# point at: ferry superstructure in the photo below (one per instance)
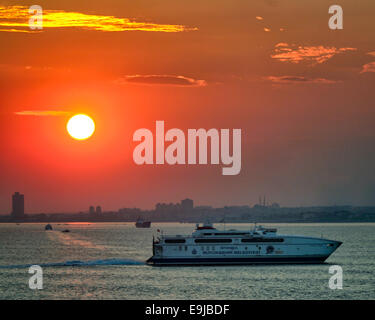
(209, 246)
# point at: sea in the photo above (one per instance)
(107, 261)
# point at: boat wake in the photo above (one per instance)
(78, 263)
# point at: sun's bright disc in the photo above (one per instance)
(80, 127)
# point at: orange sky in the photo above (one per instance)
(302, 94)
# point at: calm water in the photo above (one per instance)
(106, 261)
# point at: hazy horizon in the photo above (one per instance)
(86, 210)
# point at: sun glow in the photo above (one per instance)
(80, 127)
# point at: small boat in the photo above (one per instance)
(140, 223)
(48, 227)
(66, 230)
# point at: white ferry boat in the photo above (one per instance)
(209, 246)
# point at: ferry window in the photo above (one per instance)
(185, 248)
(174, 240)
(179, 248)
(263, 240)
(231, 234)
(212, 240)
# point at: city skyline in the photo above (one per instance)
(184, 211)
(182, 206)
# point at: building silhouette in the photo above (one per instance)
(187, 205)
(98, 210)
(92, 210)
(18, 205)
(164, 210)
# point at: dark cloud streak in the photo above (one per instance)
(171, 80)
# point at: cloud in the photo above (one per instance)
(297, 80)
(162, 80)
(15, 30)
(16, 19)
(296, 54)
(368, 67)
(281, 44)
(42, 113)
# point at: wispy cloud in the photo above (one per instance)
(297, 80)
(281, 44)
(172, 80)
(16, 19)
(368, 67)
(15, 30)
(42, 113)
(314, 54)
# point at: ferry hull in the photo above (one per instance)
(237, 261)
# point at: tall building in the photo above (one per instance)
(91, 210)
(98, 210)
(187, 205)
(18, 205)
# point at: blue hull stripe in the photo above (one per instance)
(228, 261)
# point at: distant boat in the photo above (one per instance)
(48, 227)
(66, 230)
(140, 223)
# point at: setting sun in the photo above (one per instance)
(80, 127)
